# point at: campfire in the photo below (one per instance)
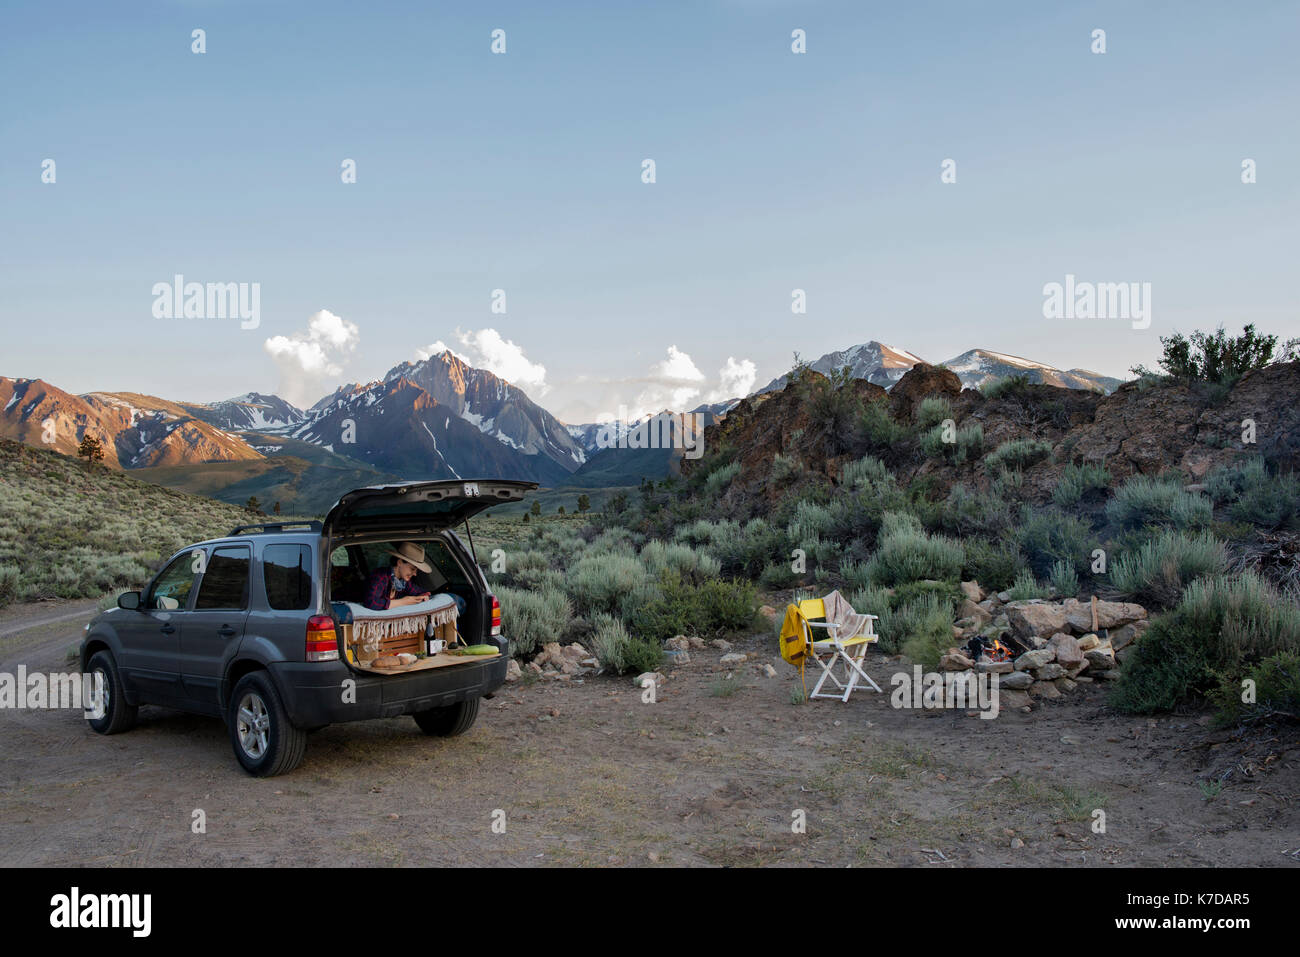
(994, 649)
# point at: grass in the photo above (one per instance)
(1018, 454)
(725, 687)
(1158, 501)
(80, 532)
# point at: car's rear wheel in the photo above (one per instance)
(449, 721)
(115, 714)
(265, 741)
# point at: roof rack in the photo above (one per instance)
(267, 527)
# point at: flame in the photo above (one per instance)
(999, 651)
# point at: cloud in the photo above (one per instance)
(736, 380)
(672, 384)
(488, 349)
(308, 359)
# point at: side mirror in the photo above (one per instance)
(130, 600)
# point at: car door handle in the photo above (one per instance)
(168, 629)
(225, 631)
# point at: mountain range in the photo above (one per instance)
(436, 418)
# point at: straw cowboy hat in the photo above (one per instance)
(413, 553)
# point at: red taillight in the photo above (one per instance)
(322, 642)
(496, 616)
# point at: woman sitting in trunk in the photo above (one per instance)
(395, 586)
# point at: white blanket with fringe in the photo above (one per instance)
(370, 626)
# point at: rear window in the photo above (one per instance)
(225, 580)
(287, 571)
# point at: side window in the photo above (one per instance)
(171, 589)
(225, 583)
(339, 558)
(287, 572)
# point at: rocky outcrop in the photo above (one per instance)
(919, 383)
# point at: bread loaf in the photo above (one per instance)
(386, 661)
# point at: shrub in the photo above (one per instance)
(1161, 567)
(1253, 495)
(1215, 357)
(676, 607)
(864, 473)
(720, 478)
(1277, 689)
(1047, 536)
(877, 427)
(682, 559)
(600, 582)
(1018, 454)
(905, 553)
(1064, 580)
(1026, 587)
(1077, 481)
(531, 618)
(785, 469)
(1012, 385)
(8, 586)
(1158, 501)
(920, 628)
(975, 513)
(618, 651)
(1220, 627)
(993, 566)
(810, 522)
(966, 442)
(932, 411)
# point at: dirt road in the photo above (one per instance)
(713, 772)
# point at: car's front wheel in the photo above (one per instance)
(448, 721)
(113, 713)
(265, 741)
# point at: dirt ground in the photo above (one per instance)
(714, 772)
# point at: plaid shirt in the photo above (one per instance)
(381, 582)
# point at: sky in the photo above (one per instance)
(499, 207)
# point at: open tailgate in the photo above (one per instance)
(414, 508)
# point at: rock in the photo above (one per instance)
(1035, 618)
(697, 644)
(513, 671)
(721, 644)
(1065, 684)
(973, 591)
(1049, 672)
(1076, 671)
(641, 679)
(734, 658)
(990, 605)
(768, 612)
(955, 662)
(919, 383)
(590, 662)
(1101, 658)
(1110, 614)
(1038, 642)
(1088, 642)
(957, 632)
(994, 668)
(1044, 689)
(968, 609)
(1112, 675)
(1067, 650)
(1082, 680)
(1013, 700)
(534, 667)
(679, 643)
(1016, 681)
(1034, 659)
(769, 671)
(1125, 635)
(677, 657)
(1017, 843)
(1004, 596)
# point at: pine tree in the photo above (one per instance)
(90, 449)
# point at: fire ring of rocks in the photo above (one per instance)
(1041, 649)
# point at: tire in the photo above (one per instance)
(449, 721)
(265, 741)
(118, 715)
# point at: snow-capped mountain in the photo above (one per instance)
(884, 365)
(254, 412)
(978, 366)
(874, 361)
(442, 417)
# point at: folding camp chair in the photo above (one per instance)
(835, 648)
